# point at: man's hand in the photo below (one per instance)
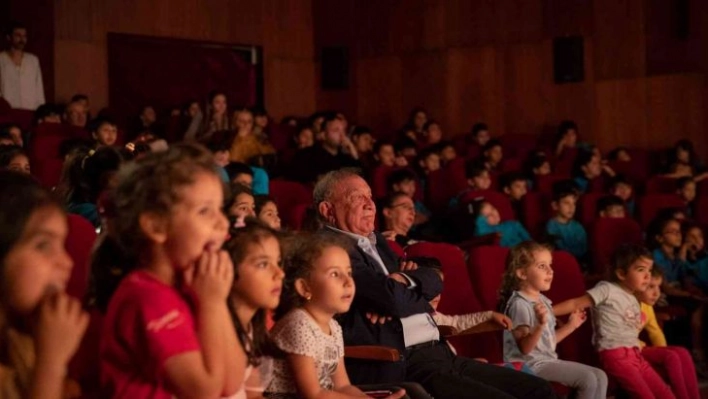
(375, 318)
(408, 265)
(399, 278)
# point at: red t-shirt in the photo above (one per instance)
(147, 322)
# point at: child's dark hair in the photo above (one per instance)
(479, 127)
(564, 188)
(361, 131)
(625, 256)
(87, 173)
(379, 144)
(508, 179)
(400, 176)
(429, 124)
(301, 253)
(607, 202)
(10, 152)
(152, 184)
(520, 256)
(404, 143)
(261, 201)
(683, 181)
(657, 273)
(583, 158)
(536, 160)
(619, 179)
(236, 189)
(96, 124)
(491, 144)
(426, 152)
(253, 233)
(656, 228)
(234, 169)
(563, 129)
(387, 202)
(474, 168)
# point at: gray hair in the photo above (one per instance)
(325, 186)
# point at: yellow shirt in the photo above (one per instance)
(656, 335)
(243, 149)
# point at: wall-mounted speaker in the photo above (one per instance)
(568, 59)
(335, 68)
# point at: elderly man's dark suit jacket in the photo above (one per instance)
(376, 292)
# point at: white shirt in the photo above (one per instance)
(21, 85)
(418, 328)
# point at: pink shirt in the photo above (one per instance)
(147, 322)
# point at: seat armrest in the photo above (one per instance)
(487, 326)
(372, 352)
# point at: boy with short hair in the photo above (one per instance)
(404, 181)
(686, 189)
(611, 206)
(515, 187)
(478, 179)
(568, 233)
(622, 188)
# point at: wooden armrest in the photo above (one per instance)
(447, 331)
(487, 326)
(372, 352)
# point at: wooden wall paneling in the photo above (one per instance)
(470, 23)
(620, 113)
(405, 28)
(81, 68)
(675, 109)
(379, 94)
(520, 21)
(423, 79)
(372, 28)
(619, 39)
(433, 25)
(666, 52)
(527, 87)
(567, 17)
(289, 87)
(287, 28)
(474, 87)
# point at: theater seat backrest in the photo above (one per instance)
(486, 267)
(568, 283)
(651, 204)
(499, 200)
(587, 209)
(608, 234)
(535, 212)
(79, 243)
(660, 185)
(458, 297)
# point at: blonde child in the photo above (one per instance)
(167, 322)
(258, 282)
(617, 320)
(675, 361)
(34, 271)
(318, 286)
(535, 332)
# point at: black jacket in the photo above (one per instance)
(377, 293)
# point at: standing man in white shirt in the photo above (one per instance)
(20, 75)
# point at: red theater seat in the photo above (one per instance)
(608, 234)
(79, 243)
(651, 204)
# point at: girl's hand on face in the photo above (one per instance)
(211, 278)
(61, 325)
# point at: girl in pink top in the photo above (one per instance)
(167, 324)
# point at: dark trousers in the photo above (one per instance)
(445, 375)
(413, 390)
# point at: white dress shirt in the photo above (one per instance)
(417, 328)
(21, 85)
